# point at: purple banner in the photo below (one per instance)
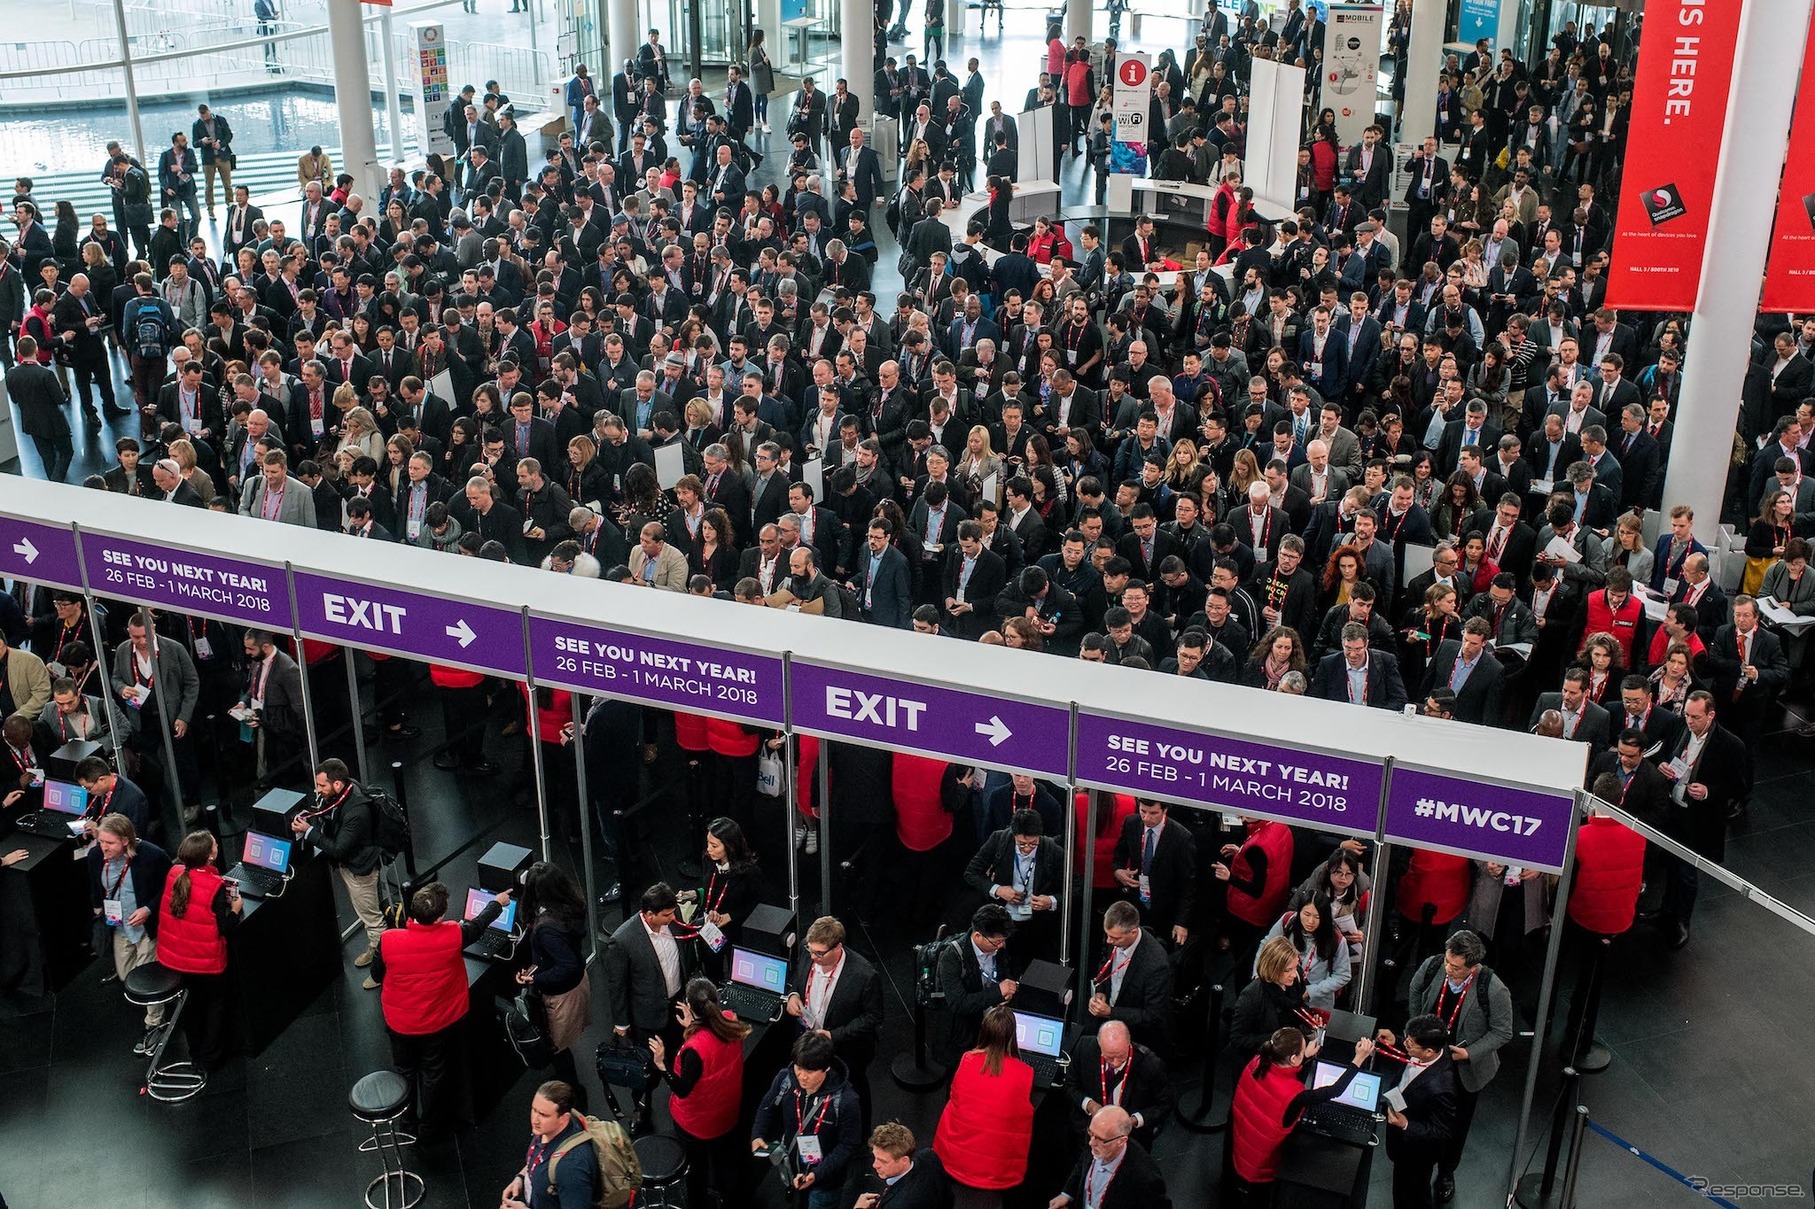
(188, 581)
(995, 732)
(1524, 827)
(411, 624)
(43, 554)
(1307, 788)
(686, 676)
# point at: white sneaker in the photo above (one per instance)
(800, 835)
(812, 843)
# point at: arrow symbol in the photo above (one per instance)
(995, 730)
(462, 633)
(24, 549)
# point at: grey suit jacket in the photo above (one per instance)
(296, 508)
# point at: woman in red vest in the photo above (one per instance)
(988, 1122)
(199, 908)
(1112, 809)
(1259, 873)
(690, 736)
(463, 713)
(921, 787)
(423, 973)
(733, 768)
(1270, 1096)
(707, 1083)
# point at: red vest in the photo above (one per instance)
(987, 1124)
(690, 732)
(710, 1109)
(424, 977)
(191, 943)
(1121, 805)
(1623, 625)
(1256, 1128)
(550, 719)
(1610, 869)
(1260, 910)
(454, 677)
(806, 776)
(729, 738)
(1438, 880)
(921, 820)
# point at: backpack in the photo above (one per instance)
(620, 1172)
(526, 1028)
(150, 330)
(849, 607)
(390, 825)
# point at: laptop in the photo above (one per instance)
(64, 804)
(1041, 1040)
(264, 866)
(758, 986)
(498, 943)
(1351, 1116)
(1348, 1026)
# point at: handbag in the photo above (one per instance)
(622, 1064)
(1754, 577)
(769, 773)
(526, 1026)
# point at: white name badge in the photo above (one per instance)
(203, 650)
(712, 935)
(1670, 586)
(315, 425)
(114, 911)
(1146, 892)
(810, 1151)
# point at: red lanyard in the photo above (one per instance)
(145, 678)
(712, 903)
(1266, 527)
(23, 761)
(538, 1150)
(310, 815)
(1121, 1086)
(800, 1115)
(125, 868)
(98, 809)
(1455, 1012)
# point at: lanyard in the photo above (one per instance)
(23, 761)
(98, 809)
(800, 1114)
(1115, 1097)
(713, 903)
(125, 868)
(1449, 1019)
(1363, 669)
(329, 808)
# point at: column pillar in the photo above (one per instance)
(1077, 20)
(1752, 154)
(393, 110)
(624, 42)
(768, 19)
(857, 36)
(353, 95)
(1424, 58)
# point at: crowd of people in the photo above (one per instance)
(1394, 472)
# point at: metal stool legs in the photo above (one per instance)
(402, 1188)
(178, 1081)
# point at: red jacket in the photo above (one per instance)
(806, 776)
(454, 677)
(1260, 910)
(1438, 880)
(921, 821)
(551, 718)
(191, 943)
(1121, 805)
(1622, 623)
(690, 732)
(729, 738)
(1610, 870)
(709, 1109)
(987, 1124)
(1256, 1119)
(424, 977)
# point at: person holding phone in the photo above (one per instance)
(197, 912)
(811, 1112)
(1423, 1110)
(706, 1079)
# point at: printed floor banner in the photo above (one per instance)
(1790, 271)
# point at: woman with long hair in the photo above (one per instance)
(762, 77)
(1271, 1001)
(1322, 957)
(1606, 663)
(706, 1080)
(715, 553)
(988, 1121)
(1767, 537)
(1426, 627)
(1458, 508)
(979, 462)
(1278, 652)
(1341, 573)
(1270, 1097)
(198, 911)
(1346, 885)
(585, 479)
(552, 910)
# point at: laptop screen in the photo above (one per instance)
(266, 852)
(765, 973)
(65, 798)
(477, 900)
(1363, 1093)
(1039, 1034)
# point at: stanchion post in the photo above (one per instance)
(1372, 951)
(401, 792)
(913, 1070)
(1534, 1191)
(1197, 1118)
(789, 793)
(1585, 1053)
(1576, 1134)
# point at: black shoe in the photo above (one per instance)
(114, 413)
(401, 733)
(1680, 937)
(447, 761)
(484, 768)
(1445, 1190)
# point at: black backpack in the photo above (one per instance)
(390, 825)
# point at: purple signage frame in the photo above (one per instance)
(237, 590)
(946, 723)
(1215, 771)
(415, 625)
(1467, 816)
(591, 657)
(38, 552)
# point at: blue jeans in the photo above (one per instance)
(824, 1198)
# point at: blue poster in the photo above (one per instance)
(1128, 157)
(1480, 19)
(793, 10)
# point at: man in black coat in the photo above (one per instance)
(39, 396)
(1710, 770)
(646, 969)
(1022, 870)
(1156, 865)
(1134, 982)
(1110, 1070)
(1470, 670)
(972, 579)
(905, 1178)
(1749, 670)
(839, 993)
(1379, 681)
(1134, 1182)
(975, 973)
(1417, 1137)
(79, 317)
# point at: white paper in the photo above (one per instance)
(1521, 649)
(1781, 617)
(1418, 560)
(1558, 548)
(670, 465)
(810, 1151)
(813, 474)
(989, 488)
(442, 385)
(1540, 487)
(712, 935)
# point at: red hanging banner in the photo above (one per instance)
(1790, 271)
(1679, 111)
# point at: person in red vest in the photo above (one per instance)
(1259, 874)
(706, 1080)
(988, 1122)
(1604, 899)
(424, 996)
(1112, 811)
(1270, 1096)
(463, 721)
(1432, 892)
(690, 735)
(733, 768)
(921, 787)
(1614, 610)
(198, 910)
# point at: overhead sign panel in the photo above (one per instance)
(1514, 826)
(972, 728)
(214, 585)
(588, 657)
(43, 554)
(412, 624)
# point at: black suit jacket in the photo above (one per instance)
(1385, 688)
(1725, 767)
(1432, 1110)
(1171, 876)
(1144, 1088)
(923, 1187)
(968, 994)
(855, 1013)
(987, 580)
(639, 996)
(1478, 701)
(1137, 1183)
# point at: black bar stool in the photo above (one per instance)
(381, 1100)
(153, 985)
(664, 1166)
